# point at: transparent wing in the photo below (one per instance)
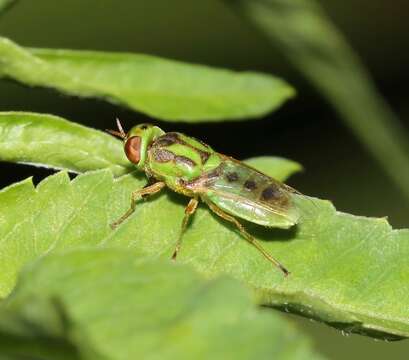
(249, 194)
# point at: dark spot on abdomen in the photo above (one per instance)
(232, 176)
(250, 185)
(270, 193)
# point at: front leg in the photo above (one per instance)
(151, 181)
(135, 196)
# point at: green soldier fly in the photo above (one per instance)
(190, 167)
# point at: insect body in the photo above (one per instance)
(229, 187)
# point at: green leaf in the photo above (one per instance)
(152, 310)
(278, 168)
(166, 89)
(59, 199)
(5, 4)
(305, 34)
(349, 271)
(50, 141)
(53, 142)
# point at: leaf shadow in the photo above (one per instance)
(271, 234)
(346, 328)
(176, 198)
(138, 175)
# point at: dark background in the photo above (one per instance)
(306, 129)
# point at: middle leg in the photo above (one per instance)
(189, 211)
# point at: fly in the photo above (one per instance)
(230, 188)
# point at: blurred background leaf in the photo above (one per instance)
(317, 49)
(153, 310)
(164, 89)
(5, 4)
(52, 142)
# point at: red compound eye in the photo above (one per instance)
(133, 149)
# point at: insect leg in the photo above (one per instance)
(247, 236)
(189, 211)
(136, 195)
(150, 182)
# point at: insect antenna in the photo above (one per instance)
(121, 133)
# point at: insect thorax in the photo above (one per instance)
(176, 159)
